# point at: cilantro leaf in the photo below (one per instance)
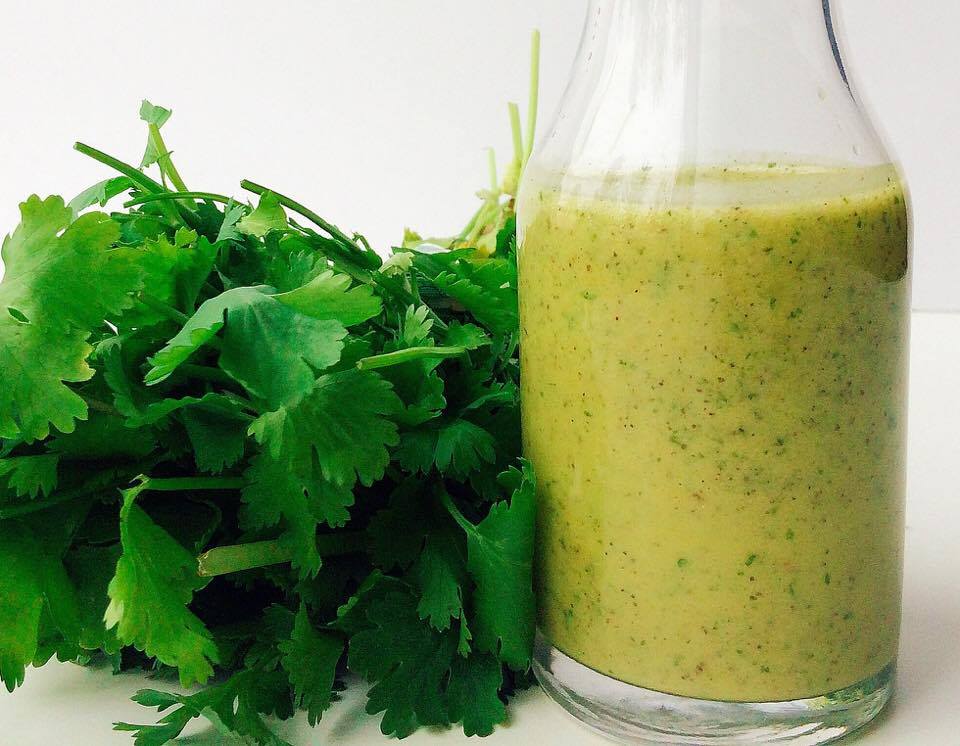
(62, 280)
(486, 288)
(29, 476)
(254, 320)
(90, 568)
(290, 492)
(329, 296)
(33, 586)
(342, 423)
(218, 437)
(174, 271)
(500, 560)
(416, 326)
(228, 226)
(99, 194)
(441, 574)
(466, 335)
(455, 447)
(486, 291)
(154, 582)
(397, 533)
(507, 238)
(310, 659)
(235, 708)
(472, 694)
(156, 116)
(269, 216)
(314, 453)
(407, 661)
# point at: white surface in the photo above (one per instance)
(75, 707)
(376, 112)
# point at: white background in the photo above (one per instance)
(376, 112)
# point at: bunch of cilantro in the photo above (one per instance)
(237, 444)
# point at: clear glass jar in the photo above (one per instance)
(714, 290)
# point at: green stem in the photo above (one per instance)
(182, 484)
(489, 212)
(206, 373)
(231, 559)
(211, 196)
(135, 175)
(139, 178)
(98, 406)
(468, 229)
(492, 165)
(517, 130)
(164, 161)
(55, 499)
(454, 511)
(301, 210)
(534, 102)
(240, 557)
(405, 356)
(164, 309)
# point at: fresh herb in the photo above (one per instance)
(238, 443)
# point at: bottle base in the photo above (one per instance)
(632, 714)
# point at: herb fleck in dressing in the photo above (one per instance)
(713, 399)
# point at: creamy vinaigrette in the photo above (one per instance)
(722, 471)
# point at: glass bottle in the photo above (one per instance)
(714, 288)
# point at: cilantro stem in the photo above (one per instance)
(534, 102)
(55, 499)
(164, 161)
(182, 484)
(468, 229)
(99, 406)
(135, 175)
(407, 355)
(139, 178)
(206, 373)
(164, 309)
(492, 165)
(454, 511)
(517, 130)
(240, 557)
(210, 196)
(301, 210)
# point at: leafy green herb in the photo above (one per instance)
(238, 443)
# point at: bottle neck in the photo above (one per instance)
(659, 83)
